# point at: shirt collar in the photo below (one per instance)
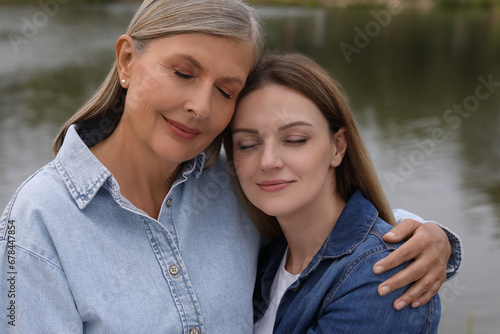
(194, 166)
(84, 174)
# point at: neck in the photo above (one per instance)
(144, 178)
(306, 232)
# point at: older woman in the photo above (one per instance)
(133, 227)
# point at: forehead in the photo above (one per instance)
(276, 105)
(210, 51)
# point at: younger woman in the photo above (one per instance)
(302, 165)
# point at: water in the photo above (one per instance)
(405, 74)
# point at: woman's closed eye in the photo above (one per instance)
(296, 140)
(246, 145)
(224, 93)
(183, 75)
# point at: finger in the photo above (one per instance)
(410, 274)
(402, 231)
(415, 291)
(424, 299)
(404, 253)
(419, 293)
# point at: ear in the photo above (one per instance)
(125, 55)
(340, 145)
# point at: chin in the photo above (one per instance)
(171, 154)
(274, 211)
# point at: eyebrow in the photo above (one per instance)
(191, 60)
(196, 63)
(244, 130)
(291, 125)
(281, 128)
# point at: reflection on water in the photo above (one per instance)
(424, 88)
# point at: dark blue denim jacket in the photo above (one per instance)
(337, 292)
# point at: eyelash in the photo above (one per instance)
(298, 141)
(245, 148)
(291, 142)
(224, 94)
(182, 75)
(187, 76)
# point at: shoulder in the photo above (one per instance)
(42, 188)
(353, 292)
(34, 206)
(355, 270)
(375, 239)
(219, 172)
(210, 195)
(37, 201)
(214, 185)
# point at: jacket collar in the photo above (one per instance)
(352, 228)
(83, 174)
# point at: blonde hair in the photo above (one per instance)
(356, 172)
(161, 18)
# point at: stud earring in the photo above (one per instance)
(124, 81)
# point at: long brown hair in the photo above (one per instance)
(356, 172)
(161, 18)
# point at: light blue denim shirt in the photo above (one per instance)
(84, 259)
(77, 257)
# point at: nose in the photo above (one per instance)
(199, 101)
(270, 157)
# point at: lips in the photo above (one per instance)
(180, 130)
(274, 185)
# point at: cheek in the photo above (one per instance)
(144, 89)
(310, 163)
(324, 152)
(221, 116)
(245, 180)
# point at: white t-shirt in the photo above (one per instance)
(281, 282)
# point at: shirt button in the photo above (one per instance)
(194, 331)
(169, 202)
(174, 270)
